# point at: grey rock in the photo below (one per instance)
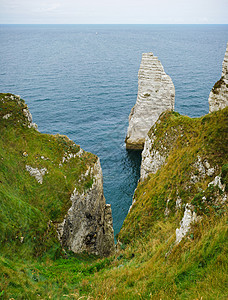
(203, 168)
(178, 202)
(87, 225)
(167, 210)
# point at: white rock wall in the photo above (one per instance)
(218, 98)
(156, 94)
(152, 159)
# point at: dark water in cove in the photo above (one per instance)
(81, 81)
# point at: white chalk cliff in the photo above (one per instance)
(218, 98)
(156, 94)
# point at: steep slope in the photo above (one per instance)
(181, 170)
(173, 243)
(48, 185)
(150, 262)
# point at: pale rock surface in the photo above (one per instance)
(7, 116)
(152, 159)
(88, 224)
(217, 182)
(218, 98)
(28, 115)
(35, 172)
(156, 94)
(167, 210)
(189, 218)
(68, 156)
(203, 168)
(178, 202)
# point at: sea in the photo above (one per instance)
(82, 80)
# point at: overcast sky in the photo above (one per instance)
(113, 12)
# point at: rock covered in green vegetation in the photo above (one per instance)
(151, 263)
(181, 173)
(48, 185)
(218, 97)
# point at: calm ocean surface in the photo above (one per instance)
(81, 81)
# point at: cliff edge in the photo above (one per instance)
(183, 174)
(50, 189)
(218, 97)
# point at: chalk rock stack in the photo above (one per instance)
(156, 94)
(218, 98)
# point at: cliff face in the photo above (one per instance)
(183, 174)
(49, 185)
(154, 154)
(218, 97)
(88, 224)
(156, 94)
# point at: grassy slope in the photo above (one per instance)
(26, 205)
(186, 139)
(149, 265)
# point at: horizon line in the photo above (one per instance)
(113, 23)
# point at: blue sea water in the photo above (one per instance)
(81, 81)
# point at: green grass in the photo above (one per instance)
(148, 264)
(148, 268)
(184, 139)
(26, 205)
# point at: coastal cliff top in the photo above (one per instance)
(38, 173)
(195, 151)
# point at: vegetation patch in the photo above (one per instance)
(218, 85)
(148, 263)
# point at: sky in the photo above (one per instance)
(113, 12)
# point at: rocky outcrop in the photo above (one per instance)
(28, 115)
(188, 219)
(62, 182)
(157, 149)
(156, 94)
(218, 97)
(88, 224)
(25, 118)
(35, 172)
(184, 174)
(152, 159)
